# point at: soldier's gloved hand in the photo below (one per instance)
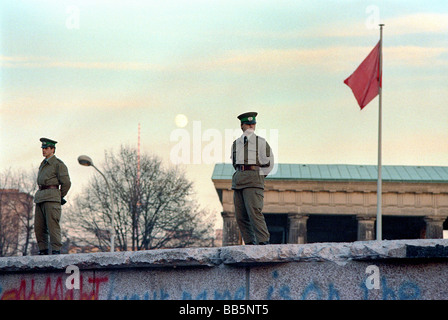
(63, 201)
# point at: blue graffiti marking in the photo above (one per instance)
(333, 294)
(408, 291)
(388, 293)
(310, 289)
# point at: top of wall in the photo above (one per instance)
(339, 253)
(343, 172)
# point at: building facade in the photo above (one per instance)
(306, 203)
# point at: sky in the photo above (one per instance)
(87, 73)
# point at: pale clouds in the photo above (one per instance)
(330, 59)
(417, 56)
(46, 62)
(417, 23)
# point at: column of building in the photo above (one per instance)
(297, 231)
(297, 228)
(230, 232)
(434, 227)
(366, 227)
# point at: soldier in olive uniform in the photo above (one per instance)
(252, 159)
(54, 182)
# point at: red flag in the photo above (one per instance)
(365, 82)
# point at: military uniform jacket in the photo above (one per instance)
(256, 151)
(52, 172)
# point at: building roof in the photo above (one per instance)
(344, 172)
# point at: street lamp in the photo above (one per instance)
(87, 161)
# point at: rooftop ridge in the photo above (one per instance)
(345, 172)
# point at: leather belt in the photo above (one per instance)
(48, 187)
(243, 167)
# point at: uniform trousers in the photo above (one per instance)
(46, 223)
(248, 212)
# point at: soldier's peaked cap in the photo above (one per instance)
(48, 142)
(248, 117)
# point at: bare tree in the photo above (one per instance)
(154, 206)
(26, 183)
(6, 225)
(16, 211)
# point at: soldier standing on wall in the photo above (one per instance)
(252, 159)
(49, 198)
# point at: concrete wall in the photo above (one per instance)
(412, 269)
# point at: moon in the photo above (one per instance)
(181, 120)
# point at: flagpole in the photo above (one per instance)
(379, 235)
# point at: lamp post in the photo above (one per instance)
(87, 161)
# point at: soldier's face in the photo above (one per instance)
(47, 152)
(246, 126)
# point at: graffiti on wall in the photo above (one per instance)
(92, 288)
(316, 290)
(53, 289)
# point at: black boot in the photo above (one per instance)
(264, 243)
(43, 252)
(56, 252)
